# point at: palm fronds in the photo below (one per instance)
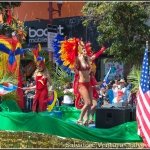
(9, 79)
(60, 78)
(134, 78)
(10, 96)
(29, 55)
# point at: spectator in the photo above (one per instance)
(68, 95)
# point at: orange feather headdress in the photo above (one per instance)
(70, 49)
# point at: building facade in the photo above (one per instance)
(68, 17)
(29, 11)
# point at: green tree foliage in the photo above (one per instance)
(5, 5)
(123, 24)
(60, 79)
(10, 23)
(134, 78)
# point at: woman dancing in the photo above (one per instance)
(86, 82)
(42, 82)
(78, 56)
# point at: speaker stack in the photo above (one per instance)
(110, 116)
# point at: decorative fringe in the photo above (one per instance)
(37, 140)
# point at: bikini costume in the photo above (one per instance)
(68, 52)
(78, 103)
(76, 85)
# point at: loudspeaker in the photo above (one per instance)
(110, 117)
(133, 110)
(120, 104)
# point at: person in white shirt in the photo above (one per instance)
(68, 96)
(120, 92)
(114, 89)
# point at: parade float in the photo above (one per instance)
(56, 128)
(11, 39)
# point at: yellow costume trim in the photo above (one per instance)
(51, 106)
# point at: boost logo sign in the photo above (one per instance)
(37, 35)
(38, 32)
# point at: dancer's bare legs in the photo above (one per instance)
(92, 111)
(87, 97)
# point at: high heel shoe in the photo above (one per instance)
(86, 123)
(79, 122)
(91, 121)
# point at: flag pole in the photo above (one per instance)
(148, 53)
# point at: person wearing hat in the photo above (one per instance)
(122, 81)
(120, 92)
(42, 82)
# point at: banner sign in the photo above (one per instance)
(116, 70)
(53, 30)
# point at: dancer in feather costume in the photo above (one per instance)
(78, 56)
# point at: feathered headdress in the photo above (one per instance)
(36, 51)
(12, 47)
(56, 46)
(66, 51)
(71, 48)
(69, 51)
(39, 60)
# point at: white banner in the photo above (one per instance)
(53, 30)
(51, 36)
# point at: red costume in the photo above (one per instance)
(68, 53)
(93, 82)
(41, 95)
(78, 103)
(41, 92)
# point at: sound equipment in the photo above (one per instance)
(110, 117)
(120, 104)
(133, 113)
